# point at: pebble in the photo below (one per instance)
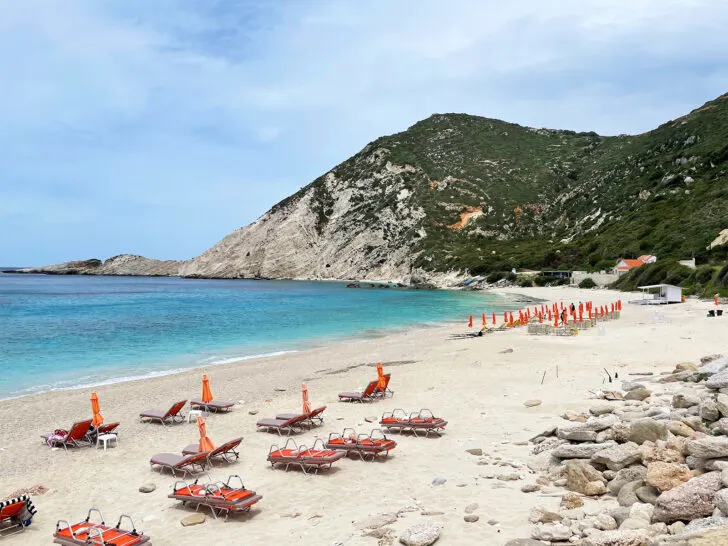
(493, 522)
(147, 488)
(432, 513)
(279, 389)
(471, 518)
(509, 477)
(439, 481)
(253, 412)
(370, 419)
(475, 451)
(472, 507)
(193, 519)
(423, 534)
(532, 403)
(530, 488)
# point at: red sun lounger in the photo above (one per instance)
(303, 457)
(225, 451)
(173, 414)
(414, 422)
(97, 533)
(212, 405)
(359, 396)
(75, 436)
(15, 515)
(219, 497)
(313, 418)
(188, 464)
(293, 424)
(363, 445)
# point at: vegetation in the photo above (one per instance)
(587, 283)
(525, 281)
(705, 281)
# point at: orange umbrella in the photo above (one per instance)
(205, 443)
(206, 392)
(98, 419)
(304, 393)
(380, 377)
(470, 322)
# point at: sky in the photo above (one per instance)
(157, 127)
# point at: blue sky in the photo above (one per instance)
(157, 127)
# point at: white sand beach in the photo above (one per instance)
(475, 383)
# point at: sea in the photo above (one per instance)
(64, 332)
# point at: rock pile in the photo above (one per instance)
(657, 461)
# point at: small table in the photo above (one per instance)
(197, 413)
(106, 438)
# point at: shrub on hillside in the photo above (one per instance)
(542, 280)
(587, 283)
(525, 282)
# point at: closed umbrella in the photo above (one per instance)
(205, 443)
(98, 419)
(206, 392)
(306, 402)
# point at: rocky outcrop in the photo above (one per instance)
(124, 265)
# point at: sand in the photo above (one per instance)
(477, 384)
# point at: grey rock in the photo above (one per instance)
(627, 495)
(619, 513)
(602, 409)
(524, 542)
(722, 402)
(641, 510)
(578, 435)
(709, 411)
(542, 515)
(147, 488)
(676, 528)
(708, 447)
(554, 532)
(475, 451)
(571, 501)
(634, 523)
(422, 534)
(583, 478)
(685, 400)
(647, 494)
(690, 500)
(530, 488)
(374, 522)
(472, 507)
(631, 385)
(493, 522)
(471, 518)
(720, 427)
(609, 475)
(718, 381)
(695, 463)
(371, 418)
(439, 481)
(721, 500)
(703, 524)
(605, 522)
(578, 451)
(193, 519)
(253, 412)
(679, 429)
(710, 358)
(724, 478)
(638, 394)
(714, 366)
(511, 477)
(626, 475)
(604, 436)
(694, 422)
(637, 537)
(532, 403)
(616, 457)
(644, 430)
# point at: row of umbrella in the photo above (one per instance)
(554, 311)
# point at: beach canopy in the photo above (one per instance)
(206, 392)
(306, 402)
(205, 443)
(97, 419)
(381, 380)
(470, 322)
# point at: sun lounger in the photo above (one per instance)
(97, 533)
(173, 414)
(212, 405)
(360, 396)
(293, 424)
(92, 434)
(219, 497)
(313, 418)
(363, 445)
(303, 457)
(414, 422)
(186, 464)
(15, 515)
(226, 451)
(75, 436)
(385, 392)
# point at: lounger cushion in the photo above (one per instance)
(167, 459)
(273, 423)
(220, 404)
(158, 414)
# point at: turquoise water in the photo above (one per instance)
(61, 332)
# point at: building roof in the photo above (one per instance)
(645, 258)
(629, 264)
(657, 286)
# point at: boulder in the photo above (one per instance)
(626, 475)
(618, 456)
(679, 429)
(721, 500)
(652, 452)
(627, 495)
(691, 500)
(577, 435)
(554, 532)
(666, 476)
(710, 358)
(638, 394)
(718, 381)
(619, 513)
(685, 400)
(584, 478)
(644, 430)
(714, 366)
(605, 522)
(722, 402)
(647, 494)
(720, 427)
(709, 411)
(578, 451)
(708, 447)
(638, 537)
(422, 534)
(641, 511)
(602, 409)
